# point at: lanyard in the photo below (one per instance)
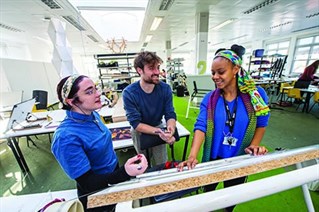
(230, 116)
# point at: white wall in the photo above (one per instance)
(202, 82)
(27, 66)
(26, 76)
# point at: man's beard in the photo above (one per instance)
(153, 81)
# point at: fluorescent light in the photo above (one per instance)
(183, 44)
(127, 14)
(156, 22)
(224, 23)
(148, 38)
(102, 46)
(235, 38)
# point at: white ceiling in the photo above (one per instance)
(178, 24)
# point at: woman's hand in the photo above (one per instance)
(136, 165)
(190, 163)
(256, 150)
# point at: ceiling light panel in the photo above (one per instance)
(312, 15)
(183, 44)
(109, 3)
(166, 4)
(236, 38)
(156, 22)
(124, 20)
(75, 23)
(52, 4)
(224, 23)
(148, 38)
(10, 28)
(276, 26)
(93, 38)
(259, 6)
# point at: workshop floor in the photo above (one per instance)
(287, 129)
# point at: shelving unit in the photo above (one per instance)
(115, 69)
(175, 73)
(259, 65)
(270, 66)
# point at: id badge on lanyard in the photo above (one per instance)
(229, 140)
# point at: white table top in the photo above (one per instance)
(5, 109)
(50, 127)
(33, 202)
(310, 89)
(106, 111)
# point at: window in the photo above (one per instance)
(306, 52)
(277, 48)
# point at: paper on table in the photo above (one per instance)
(57, 115)
(52, 124)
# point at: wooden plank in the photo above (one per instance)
(142, 190)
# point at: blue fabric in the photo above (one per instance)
(148, 108)
(241, 123)
(83, 142)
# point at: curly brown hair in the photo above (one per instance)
(146, 58)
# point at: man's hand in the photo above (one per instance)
(165, 135)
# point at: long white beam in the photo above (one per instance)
(161, 182)
(233, 195)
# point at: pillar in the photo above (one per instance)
(201, 42)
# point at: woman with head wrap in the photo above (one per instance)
(82, 144)
(232, 118)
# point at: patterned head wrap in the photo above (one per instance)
(67, 86)
(246, 83)
(230, 55)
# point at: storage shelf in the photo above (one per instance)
(273, 64)
(121, 71)
(116, 67)
(115, 56)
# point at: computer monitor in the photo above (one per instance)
(20, 112)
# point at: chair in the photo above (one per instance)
(41, 99)
(315, 99)
(282, 90)
(198, 93)
(41, 104)
(294, 93)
